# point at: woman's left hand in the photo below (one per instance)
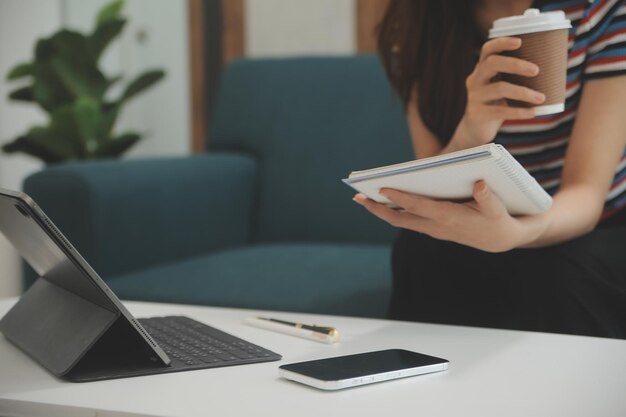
(483, 223)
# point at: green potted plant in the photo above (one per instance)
(64, 79)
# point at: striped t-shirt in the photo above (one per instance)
(597, 49)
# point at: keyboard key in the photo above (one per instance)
(209, 359)
(241, 354)
(193, 343)
(225, 357)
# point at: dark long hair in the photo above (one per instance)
(432, 45)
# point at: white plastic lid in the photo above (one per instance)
(531, 21)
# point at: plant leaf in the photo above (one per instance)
(71, 44)
(109, 12)
(113, 80)
(88, 122)
(21, 70)
(65, 69)
(48, 90)
(110, 111)
(79, 81)
(38, 144)
(64, 129)
(117, 146)
(44, 49)
(103, 35)
(142, 82)
(23, 94)
(25, 144)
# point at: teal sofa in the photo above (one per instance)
(262, 219)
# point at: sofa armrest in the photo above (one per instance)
(130, 214)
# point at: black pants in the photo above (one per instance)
(578, 287)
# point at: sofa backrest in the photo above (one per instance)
(309, 122)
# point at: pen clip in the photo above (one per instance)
(329, 331)
(323, 329)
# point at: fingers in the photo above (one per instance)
(510, 113)
(486, 201)
(502, 89)
(488, 112)
(487, 102)
(491, 63)
(424, 214)
(419, 206)
(486, 108)
(393, 217)
(498, 45)
(461, 223)
(496, 64)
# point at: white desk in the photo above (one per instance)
(492, 373)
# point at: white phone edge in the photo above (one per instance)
(364, 380)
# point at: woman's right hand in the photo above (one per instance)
(486, 107)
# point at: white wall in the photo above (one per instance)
(299, 27)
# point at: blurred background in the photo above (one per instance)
(190, 40)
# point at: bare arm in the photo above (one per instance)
(595, 148)
(486, 108)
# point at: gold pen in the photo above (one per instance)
(324, 334)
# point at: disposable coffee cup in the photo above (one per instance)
(544, 43)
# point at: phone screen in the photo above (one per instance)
(362, 364)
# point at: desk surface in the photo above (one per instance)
(492, 373)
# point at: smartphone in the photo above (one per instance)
(363, 368)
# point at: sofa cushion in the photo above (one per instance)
(316, 278)
(309, 121)
(124, 215)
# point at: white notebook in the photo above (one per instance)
(452, 177)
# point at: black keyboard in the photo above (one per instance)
(191, 344)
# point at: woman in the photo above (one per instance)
(474, 264)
